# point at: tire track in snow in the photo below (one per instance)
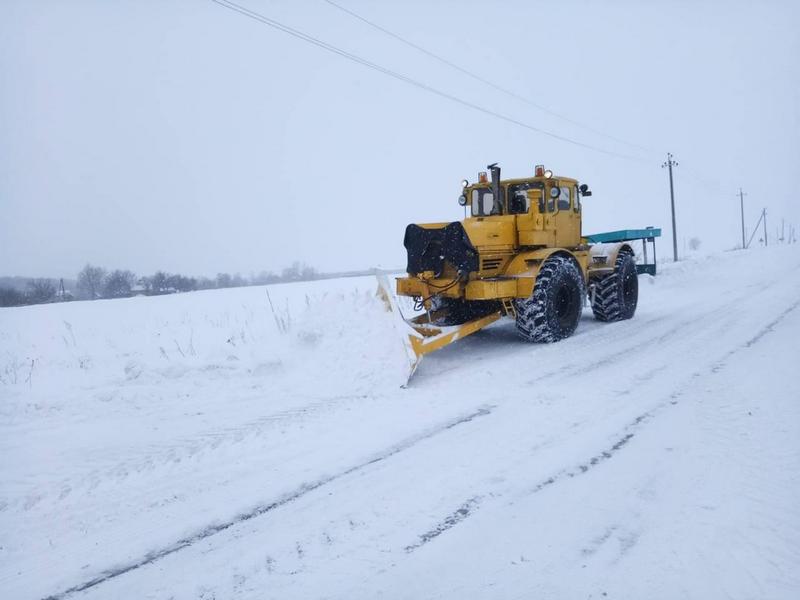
(187, 447)
(771, 326)
(599, 337)
(453, 519)
(467, 508)
(156, 555)
(623, 439)
(672, 330)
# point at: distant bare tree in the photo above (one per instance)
(180, 283)
(291, 273)
(204, 283)
(298, 272)
(11, 297)
(41, 290)
(146, 283)
(695, 243)
(264, 277)
(223, 280)
(160, 282)
(118, 284)
(308, 273)
(188, 284)
(90, 282)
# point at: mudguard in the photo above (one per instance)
(526, 265)
(603, 257)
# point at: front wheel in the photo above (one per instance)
(554, 308)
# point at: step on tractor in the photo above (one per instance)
(518, 253)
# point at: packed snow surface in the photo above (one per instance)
(256, 443)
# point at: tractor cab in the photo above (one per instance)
(539, 211)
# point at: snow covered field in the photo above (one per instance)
(207, 446)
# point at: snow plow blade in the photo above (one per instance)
(420, 336)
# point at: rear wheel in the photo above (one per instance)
(615, 295)
(554, 308)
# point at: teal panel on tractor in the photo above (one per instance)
(624, 235)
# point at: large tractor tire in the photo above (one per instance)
(554, 308)
(615, 295)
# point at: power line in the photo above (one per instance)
(399, 76)
(719, 193)
(722, 193)
(483, 80)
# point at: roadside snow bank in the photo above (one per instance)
(325, 328)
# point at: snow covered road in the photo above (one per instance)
(204, 446)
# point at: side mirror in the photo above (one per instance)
(555, 191)
(585, 191)
(462, 199)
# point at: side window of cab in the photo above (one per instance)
(481, 203)
(563, 198)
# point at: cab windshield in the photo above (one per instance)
(519, 199)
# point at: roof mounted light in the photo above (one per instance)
(548, 174)
(483, 177)
(464, 183)
(539, 170)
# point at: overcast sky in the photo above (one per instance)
(183, 136)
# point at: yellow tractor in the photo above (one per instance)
(518, 253)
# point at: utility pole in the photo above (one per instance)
(669, 164)
(766, 241)
(741, 200)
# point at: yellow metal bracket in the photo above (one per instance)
(432, 338)
(508, 308)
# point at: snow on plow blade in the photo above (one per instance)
(419, 335)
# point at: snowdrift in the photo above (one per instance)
(331, 333)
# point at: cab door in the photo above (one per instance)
(566, 218)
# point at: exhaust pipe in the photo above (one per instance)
(498, 200)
